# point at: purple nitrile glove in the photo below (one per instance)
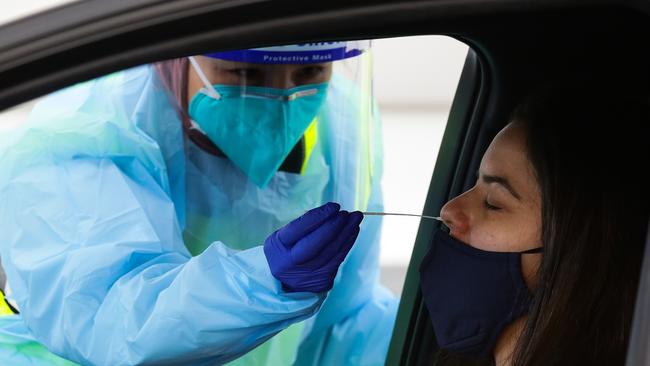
(306, 253)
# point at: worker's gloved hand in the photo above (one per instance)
(306, 253)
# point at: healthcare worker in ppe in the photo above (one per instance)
(150, 215)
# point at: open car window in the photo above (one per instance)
(366, 131)
(416, 79)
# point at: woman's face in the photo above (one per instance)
(502, 212)
(242, 73)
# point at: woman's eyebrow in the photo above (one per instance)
(501, 181)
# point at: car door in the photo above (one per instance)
(505, 64)
(514, 47)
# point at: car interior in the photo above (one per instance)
(514, 47)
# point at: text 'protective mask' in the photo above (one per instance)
(257, 127)
(471, 294)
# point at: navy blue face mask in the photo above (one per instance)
(471, 294)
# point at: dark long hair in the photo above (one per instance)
(589, 148)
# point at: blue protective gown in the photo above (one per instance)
(126, 244)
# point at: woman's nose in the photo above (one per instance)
(454, 218)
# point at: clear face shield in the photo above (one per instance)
(263, 108)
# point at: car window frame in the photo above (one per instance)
(445, 183)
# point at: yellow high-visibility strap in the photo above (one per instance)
(311, 137)
(5, 309)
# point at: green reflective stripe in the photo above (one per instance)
(34, 352)
(281, 349)
(195, 240)
(16, 350)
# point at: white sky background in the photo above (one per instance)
(415, 81)
(15, 9)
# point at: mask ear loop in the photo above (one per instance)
(208, 89)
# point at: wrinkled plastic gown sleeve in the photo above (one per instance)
(94, 254)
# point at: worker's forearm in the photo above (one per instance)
(98, 266)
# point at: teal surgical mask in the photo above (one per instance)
(255, 127)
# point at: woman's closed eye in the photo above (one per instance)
(490, 206)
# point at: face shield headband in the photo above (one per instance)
(303, 53)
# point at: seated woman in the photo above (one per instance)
(543, 255)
